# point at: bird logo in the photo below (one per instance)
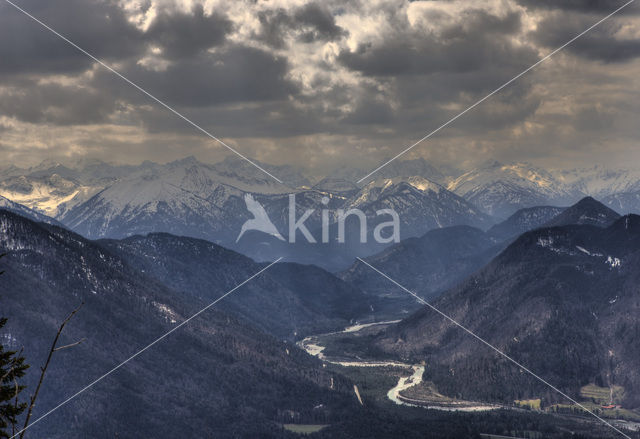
(260, 221)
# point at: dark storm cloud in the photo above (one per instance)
(267, 120)
(599, 44)
(425, 101)
(98, 26)
(592, 6)
(235, 74)
(182, 35)
(273, 26)
(478, 41)
(317, 23)
(311, 22)
(427, 73)
(193, 78)
(56, 104)
(370, 110)
(398, 76)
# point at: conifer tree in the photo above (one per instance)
(12, 368)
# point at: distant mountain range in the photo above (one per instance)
(190, 198)
(553, 287)
(501, 189)
(206, 201)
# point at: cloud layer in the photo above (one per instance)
(320, 84)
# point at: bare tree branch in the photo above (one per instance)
(69, 345)
(53, 349)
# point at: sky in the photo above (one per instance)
(321, 84)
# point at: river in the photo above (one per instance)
(313, 347)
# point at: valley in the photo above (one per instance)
(303, 350)
(410, 375)
(410, 390)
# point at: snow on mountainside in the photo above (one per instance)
(598, 181)
(191, 198)
(414, 168)
(421, 204)
(501, 189)
(24, 211)
(377, 188)
(48, 194)
(184, 197)
(188, 197)
(53, 188)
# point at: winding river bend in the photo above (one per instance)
(313, 346)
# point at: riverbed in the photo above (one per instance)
(313, 346)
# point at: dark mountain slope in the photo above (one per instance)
(215, 377)
(585, 211)
(562, 301)
(625, 202)
(441, 258)
(430, 264)
(524, 220)
(289, 301)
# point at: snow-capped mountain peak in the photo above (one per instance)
(501, 189)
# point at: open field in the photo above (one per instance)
(533, 404)
(602, 395)
(617, 413)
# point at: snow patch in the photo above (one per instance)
(169, 314)
(613, 262)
